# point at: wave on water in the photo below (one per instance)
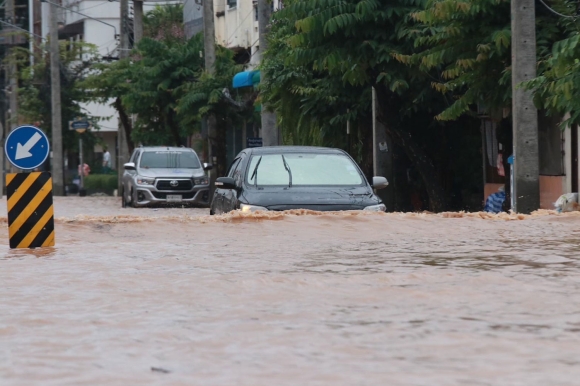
(239, 216)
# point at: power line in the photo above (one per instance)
(95, 6)
(21, 29)
(82, 14)
(239, 25)
(253, 44)
(557, 13)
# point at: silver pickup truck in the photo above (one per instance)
(165, 175)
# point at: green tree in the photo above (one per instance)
(164, 22)
(466, 46)
(354, 44)
(558, 82)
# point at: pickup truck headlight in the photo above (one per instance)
(376, 208)
(251, 208)
(201, 181)
(145, 181)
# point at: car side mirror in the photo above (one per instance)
(380, 183)
(207, 166)
(129, 166)
(225, 183)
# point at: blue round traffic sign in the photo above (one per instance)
(27, 147)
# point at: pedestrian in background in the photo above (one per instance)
(86, 170)
(106, 160)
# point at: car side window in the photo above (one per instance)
(134, 156)
(233, 167)
(237, 172)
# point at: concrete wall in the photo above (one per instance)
(550, 143)
(192, 17)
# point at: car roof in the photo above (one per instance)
(293, 149)
(164, 148)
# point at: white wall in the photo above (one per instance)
(237, 28)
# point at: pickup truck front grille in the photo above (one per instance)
(174, 185)
(163, 196)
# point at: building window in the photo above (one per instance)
(256, 12)
(232, 3)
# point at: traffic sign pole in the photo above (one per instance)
(80, 126)
(82, 173)
(29, 195)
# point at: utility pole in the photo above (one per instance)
(13, 70)
(209, 57)
(137, 21)
(123, 148)
(9, 39)
(270, 135)
(525, 115)
(57, 155)
(382, 156)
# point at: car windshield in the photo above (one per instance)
(303, 169)
(169, 159)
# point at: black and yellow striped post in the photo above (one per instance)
(30, 210)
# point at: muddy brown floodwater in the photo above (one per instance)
(175, 297)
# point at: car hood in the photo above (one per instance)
(171, 173)
(315, 198)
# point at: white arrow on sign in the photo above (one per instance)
(23, 151)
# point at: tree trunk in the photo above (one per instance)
(126, 122)
(174, 128)
(387, 114)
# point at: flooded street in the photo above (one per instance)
(175, 297)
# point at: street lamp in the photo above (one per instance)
(80, 126)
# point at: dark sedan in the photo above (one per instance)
(295, 177)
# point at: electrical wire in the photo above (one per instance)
(241, 23)
(98, 5)
(557, 13)
(257, 40)
(107, 43)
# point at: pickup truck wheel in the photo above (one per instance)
(133, 199)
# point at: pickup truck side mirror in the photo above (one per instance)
(225, 183)
(207, 166)
(129, 166)
(380, 183)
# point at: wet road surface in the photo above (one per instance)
(175, 297)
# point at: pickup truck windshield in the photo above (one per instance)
(295, 169)
(169, 160)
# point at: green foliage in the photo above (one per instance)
(205, 95)
(312, 106)
(164, 22)
(158, 72)
(558, 82)
(466, 45)
(105, 183)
